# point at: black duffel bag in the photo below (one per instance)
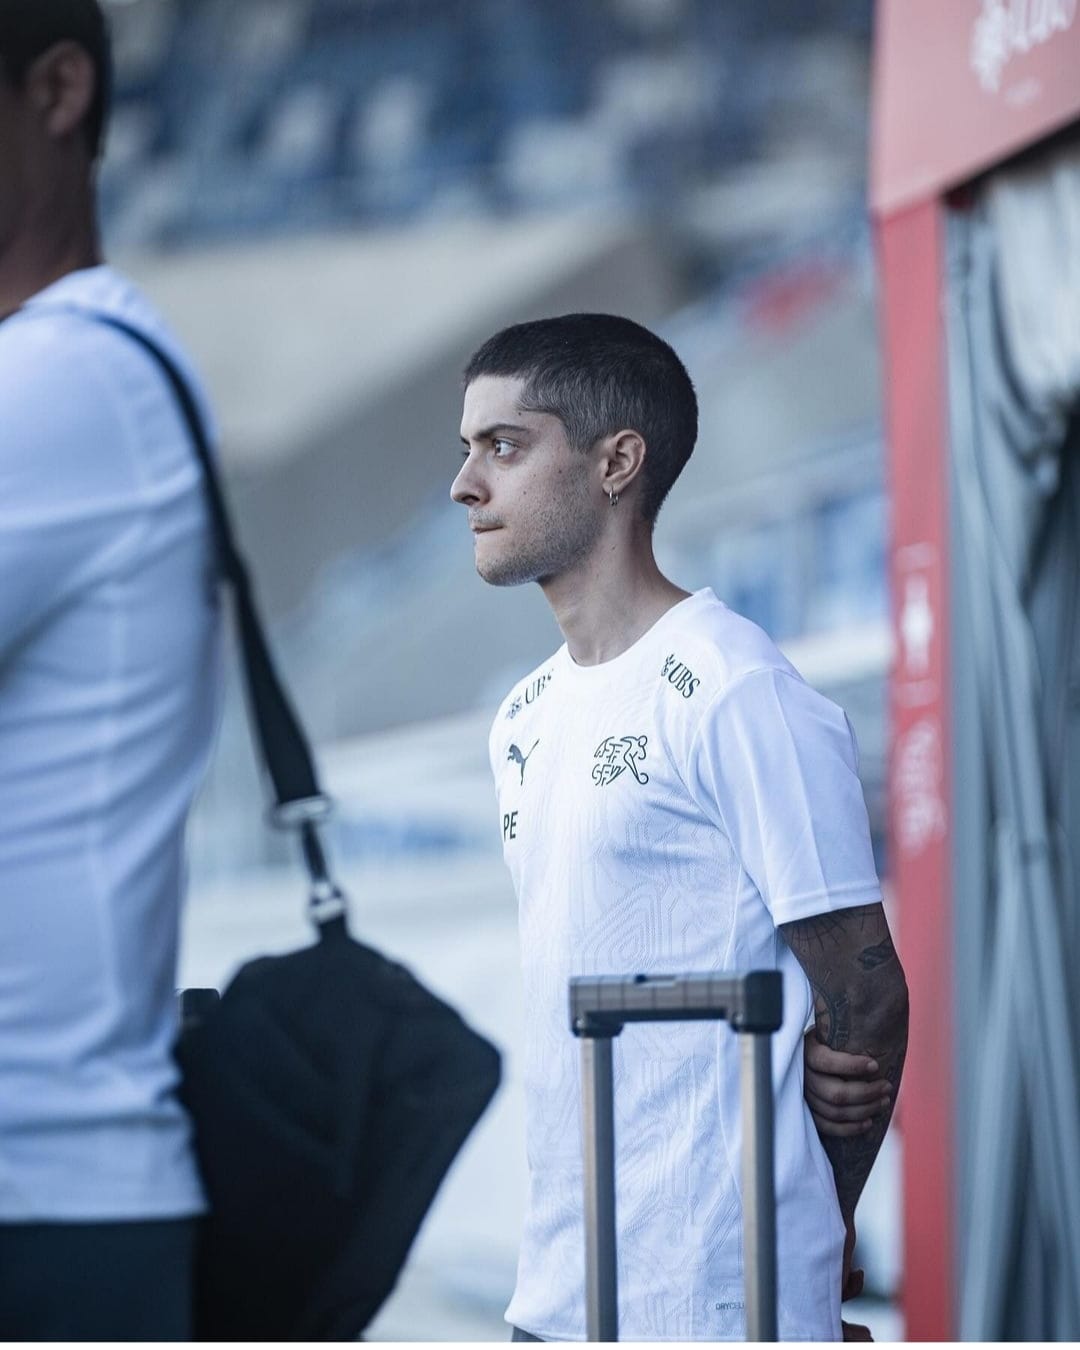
(330, 1092)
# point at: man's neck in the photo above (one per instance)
(610, 600)
(37, 258)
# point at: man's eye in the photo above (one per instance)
(502, 448)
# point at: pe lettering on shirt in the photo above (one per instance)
(510, 821)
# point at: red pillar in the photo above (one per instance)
(910, 253)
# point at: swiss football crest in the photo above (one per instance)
(615, 754)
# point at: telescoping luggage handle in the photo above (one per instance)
(752, 1004)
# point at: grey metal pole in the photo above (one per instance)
(598, 1143)
(758, 1185)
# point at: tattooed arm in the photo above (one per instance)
(861, 1002)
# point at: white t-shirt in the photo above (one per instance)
(663, 812)
(109, 673)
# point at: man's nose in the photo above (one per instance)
(468, 487)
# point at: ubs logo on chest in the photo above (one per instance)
(530, 695)
(680, 676)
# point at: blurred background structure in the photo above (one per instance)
(335, 201)
(976, 190)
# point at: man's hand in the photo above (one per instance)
(845, 1093)
(851, 1281)
(851, 1286)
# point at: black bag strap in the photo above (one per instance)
(280, 740)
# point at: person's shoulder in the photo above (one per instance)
(39, 345)
(49, 379)
(61, 355)
(711, 649)
(54, 339)
(71, 434)
(108, 294)
(96, 292)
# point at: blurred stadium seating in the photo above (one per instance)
(264, 116)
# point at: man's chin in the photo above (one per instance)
(501, 576)
(504, 571)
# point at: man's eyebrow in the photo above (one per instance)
(488, 433)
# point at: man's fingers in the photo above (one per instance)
(835, 1130)
(837, 1092)
(846, 1091)
(831, 1092)
(823, 1059)
(855, 1331)
(842, 1115)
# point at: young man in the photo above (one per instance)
(673, 797)
(108, 636)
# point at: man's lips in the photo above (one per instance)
(484, 529)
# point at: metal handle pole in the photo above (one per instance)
(598, 1136)
(758, 1185)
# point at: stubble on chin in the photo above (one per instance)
(514, 570)
(499, 575)
(556, 553)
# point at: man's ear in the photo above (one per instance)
(622, 461)
(60, 87)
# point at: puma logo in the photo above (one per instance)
(516, 757)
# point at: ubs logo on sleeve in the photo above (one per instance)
(616, 754)
(679, 676)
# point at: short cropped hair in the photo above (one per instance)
(599, 374)
(30, 27)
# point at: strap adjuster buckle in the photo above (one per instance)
(295, 815)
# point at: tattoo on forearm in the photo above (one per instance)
(833, 1017)
(860, 1001)
(870, 957)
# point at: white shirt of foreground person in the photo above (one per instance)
(109, 675)
(663, 812)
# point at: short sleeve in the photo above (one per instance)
(774, 764)
(492, 734)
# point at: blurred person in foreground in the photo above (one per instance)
(673, 797)
(108, 635)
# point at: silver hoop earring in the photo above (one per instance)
(613, 497)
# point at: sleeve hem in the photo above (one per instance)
(793, 908)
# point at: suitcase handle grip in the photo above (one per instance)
(601, 1005)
